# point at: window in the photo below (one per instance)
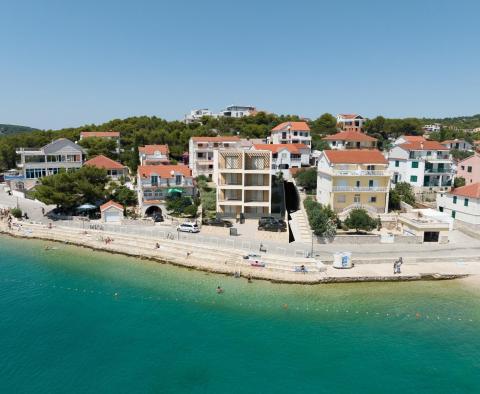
(397, 163)
(469, 169)
(453, 214)
(413, 178)
(356, 198)
(465, 202)
(463, 167)
(370, 183)
(414, 164)
(230, 162)
(372, 199)
(154, 180)
(429, 153)
(357, 183)
(454, 199)
(440, 209)
(370, 168)
(341, 198)
(178, 179)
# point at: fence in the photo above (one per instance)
(164, 232)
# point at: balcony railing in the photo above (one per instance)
(439, 171)
(361, 172)
(359, 189)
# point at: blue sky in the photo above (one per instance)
(69, 63)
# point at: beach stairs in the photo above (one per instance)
(300, 227)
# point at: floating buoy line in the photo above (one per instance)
(117, 295)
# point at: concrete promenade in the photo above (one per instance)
(229, 261)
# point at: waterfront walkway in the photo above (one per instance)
(230, 261)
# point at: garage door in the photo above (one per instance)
(112, 216)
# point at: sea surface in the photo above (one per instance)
(74, 320)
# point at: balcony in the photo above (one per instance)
(438, 171)
(360, 189)
(361, 173)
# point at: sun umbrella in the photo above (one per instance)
(174, 191)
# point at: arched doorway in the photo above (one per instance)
(153, 211)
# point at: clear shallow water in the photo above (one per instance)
(79, 321)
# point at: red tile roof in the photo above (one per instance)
(349, 136)
(233, 138)
(104, 162)
(472, 191)
(151, 149)
(164, 171)
(414, 138)
(349, 116)
(294, 126)
(274, 148)
(355, 156)
(109, 204)
(423, 145)
(87, 134)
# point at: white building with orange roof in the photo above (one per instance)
(154, 154)
(156, 183)
(286, 156)
(462, 203)
(115, 170)
(422, 163)
(109, 135)
(403, 139)
(350, 140)
(350, 122)
(201, 149)
(112, 212)
(355, 178)
(291, 133)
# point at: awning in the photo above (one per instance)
(174, 191)
(86, 207)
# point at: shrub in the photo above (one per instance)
(402, 192)
(359, 219)
(322, 219)
(307, 178)
(458, 182)
(191, 210)
(16, 213)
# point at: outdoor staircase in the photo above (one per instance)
(299, 224)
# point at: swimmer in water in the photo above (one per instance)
(219, 290)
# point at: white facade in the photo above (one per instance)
(237, 111)
(291, 133)
(196, 114)
(458, 144)
(430, 128)
(350, 122)
(421, 168)
(201, 149)
(465, 209)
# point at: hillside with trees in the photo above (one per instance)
(6, 129)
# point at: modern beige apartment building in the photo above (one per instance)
(354, 178)
(244, 183)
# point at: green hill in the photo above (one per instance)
(6, 129)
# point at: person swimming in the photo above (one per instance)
(219, 290)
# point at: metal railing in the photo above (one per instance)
(359, 189)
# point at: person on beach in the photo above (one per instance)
(157, 246)
(395, 267)
(399, 264)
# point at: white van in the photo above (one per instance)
(188, 227)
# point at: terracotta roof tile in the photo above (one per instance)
(472, 191)
(355, 156)
(104, 162)
(164, 171)
(232, 138)
(423, 145)
(349, 136)
(294, 126)
(275, 148)
(414, 138)
(87, 134)
(151, 149)
(109, 204)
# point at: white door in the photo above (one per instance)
(112, 216)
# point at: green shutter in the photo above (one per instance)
(413, 178)
(465, 202)
(397, 163)
(454, 199)
(414, 164)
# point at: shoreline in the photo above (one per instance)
(278, 268)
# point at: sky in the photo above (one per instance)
(68, 63)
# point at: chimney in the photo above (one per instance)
(421, 144)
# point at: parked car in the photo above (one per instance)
(273, 225)
(188, 227)
(217, 222)
(157, 218)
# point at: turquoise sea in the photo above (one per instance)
(80, 321)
